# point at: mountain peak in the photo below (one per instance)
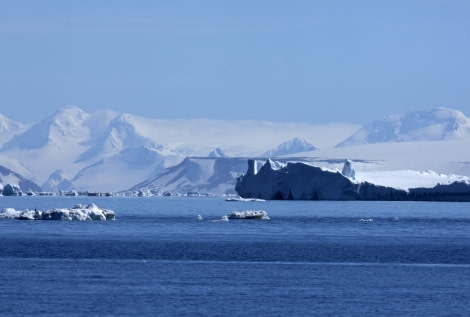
(296, 145)
(217, 153)
(7, 124)
(69, 109)
(66, 122)
(120, 134)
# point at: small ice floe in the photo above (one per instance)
(199, 217)
(366, 220)
(221, 219)
(395, 219)
(243, 199)
(78, 212)
(248, 214)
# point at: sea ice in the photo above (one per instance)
(248, 214)
(78, 212)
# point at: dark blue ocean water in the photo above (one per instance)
(310, 258)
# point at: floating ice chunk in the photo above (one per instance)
(78, 212)
(243, 199)
(12, 190)
(199, 217)
(248, 214)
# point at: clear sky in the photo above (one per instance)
(297, 61)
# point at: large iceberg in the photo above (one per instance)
(78, 212)
(12, 190)
(302, 181)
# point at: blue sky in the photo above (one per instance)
(285, 61)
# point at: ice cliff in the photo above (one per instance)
(301, 181)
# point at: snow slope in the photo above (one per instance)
(124, 169)
(196, 175)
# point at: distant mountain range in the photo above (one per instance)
(434, 125)
(110, 151)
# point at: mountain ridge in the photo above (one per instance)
(107, 150)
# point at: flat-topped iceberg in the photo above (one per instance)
(302, 181)
(78, 212)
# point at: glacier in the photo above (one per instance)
(302, 181)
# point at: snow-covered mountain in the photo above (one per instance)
(433, 125)
(120, 134)
(56, 142)
(65, 125)
(197, 175)
(110, 151)
(296, 145)
(101, 151)
(8, 128)
(217, 153)
(8, 176)
(57, 181)
(7, 125)
(126, 168)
